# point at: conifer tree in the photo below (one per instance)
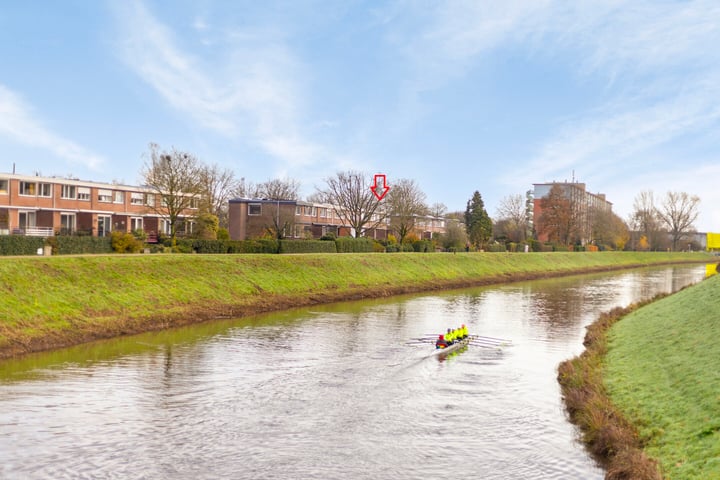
(477, 221)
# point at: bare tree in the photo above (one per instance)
(678, 212)
(645, 222)
(405, 203)
(279, 189)
(219, 186)
(438, 209)
(512, 215)
(176, 179)
(353, 201)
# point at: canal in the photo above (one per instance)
(331, 392)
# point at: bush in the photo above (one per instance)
(20, 245)
(422, 246)
(123, 242)
(263, 245)
(495, 247)
(223, 234)
(72, 245)
(354, 245)
(307, 246)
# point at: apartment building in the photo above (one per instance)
(252, 218)
(584, 203)
(46, 206)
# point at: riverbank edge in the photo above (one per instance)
(32, 337)
(607, 434)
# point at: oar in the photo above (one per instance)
(491, 339)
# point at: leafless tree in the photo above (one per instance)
(405, 203)
(175, 177)
(353, 201)
(645, 222)
(438, 209)
(512, 215)
(678, 212)
(219, 186)
(279, 189)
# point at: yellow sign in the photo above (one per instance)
(711, 269)
(713, 241)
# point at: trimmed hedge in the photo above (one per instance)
(307, 246)
(228, 246)
(20, 245)
(71, 245)
(354, 245)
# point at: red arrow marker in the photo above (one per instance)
(380, 187)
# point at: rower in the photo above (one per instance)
(465, 332)
(449, 336)
(441, 343)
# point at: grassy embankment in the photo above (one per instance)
(649, 386)
(49, 302)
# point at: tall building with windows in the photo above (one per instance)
(46, 206)
(583, 204)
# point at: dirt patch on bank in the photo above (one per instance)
(19, 343)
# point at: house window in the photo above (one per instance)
(28, 188)
(298, 210)
(67, 222)
(149, 199)
(45, 189)
(105, 196)
(136, 198)
(104, 225)
(83, 193)
(119, 197)
(254, 209)
(323, 212)
(3, 185)
(194, 203)
(27, 219)
(136, 224)
(68, 191)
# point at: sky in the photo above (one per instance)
(457, 95)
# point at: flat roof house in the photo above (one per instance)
(46, 206)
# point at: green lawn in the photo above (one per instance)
(51, 301)
(663, 371)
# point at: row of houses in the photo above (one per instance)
(45, 206)
(251, 218)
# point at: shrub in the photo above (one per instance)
(223, 234)
(123, 242)
(71, 245)
(422, 246)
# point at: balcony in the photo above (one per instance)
(34, 231)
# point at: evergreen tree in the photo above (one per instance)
(477, 221)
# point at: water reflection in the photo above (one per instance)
(327, 392)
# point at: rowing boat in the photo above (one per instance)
(452, 347)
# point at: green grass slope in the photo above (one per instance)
(663, 372)
(59, 301)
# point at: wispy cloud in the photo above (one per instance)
(250, 91)
(19, 123)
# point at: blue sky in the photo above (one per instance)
(457, 95)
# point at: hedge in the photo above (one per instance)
(307, 246)
(20, 245)
(72, 245)
(354, 245)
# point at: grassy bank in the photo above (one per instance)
(58, 301)
(647, 387)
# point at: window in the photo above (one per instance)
(298, 210)
(149, 199)
(104, 225)
(105, 196)
(194, 203)
(45, 189)
(119, 197)
(68, 191)
(67, 222)
(27, 219)
(165, 226)
(136, 223)
(323, 212)
(254, 209)
(3, 185)
(83, 193)
(136, 198)
(28, 188)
